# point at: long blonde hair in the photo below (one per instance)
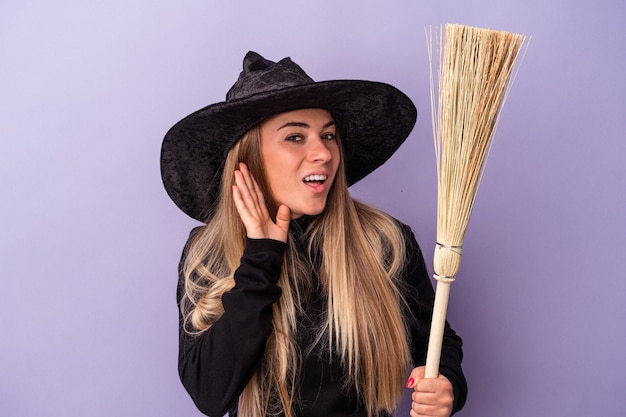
(362, 255)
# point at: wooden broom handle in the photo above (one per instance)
(437, 327)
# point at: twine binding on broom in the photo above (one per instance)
(456, 250)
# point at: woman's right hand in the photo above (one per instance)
(252, 209)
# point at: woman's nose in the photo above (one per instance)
(319, 151)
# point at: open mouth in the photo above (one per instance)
(316, 179)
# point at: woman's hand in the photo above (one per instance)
(252, 209)
(431, 396)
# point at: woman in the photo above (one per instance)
(295, 299)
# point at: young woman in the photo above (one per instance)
(295, 299)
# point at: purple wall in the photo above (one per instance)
(89, 240)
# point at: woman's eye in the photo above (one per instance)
(293, 138)
(329, 136)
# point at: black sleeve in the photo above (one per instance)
(421, 298)
(215, 366)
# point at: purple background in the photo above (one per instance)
(89, 241)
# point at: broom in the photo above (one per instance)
(475, 69)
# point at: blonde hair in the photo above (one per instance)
(362, 255)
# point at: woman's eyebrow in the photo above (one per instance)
(305, 125)
(294, 124)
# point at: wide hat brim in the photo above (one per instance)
(373, 119)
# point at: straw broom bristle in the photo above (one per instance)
(475, 69)
(474, 74)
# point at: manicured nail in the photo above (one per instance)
(410, 382)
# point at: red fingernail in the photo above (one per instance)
(410, 382)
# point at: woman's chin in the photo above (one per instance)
(309, 211)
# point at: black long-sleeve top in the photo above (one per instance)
(215, 366)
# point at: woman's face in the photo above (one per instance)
(301, 156)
